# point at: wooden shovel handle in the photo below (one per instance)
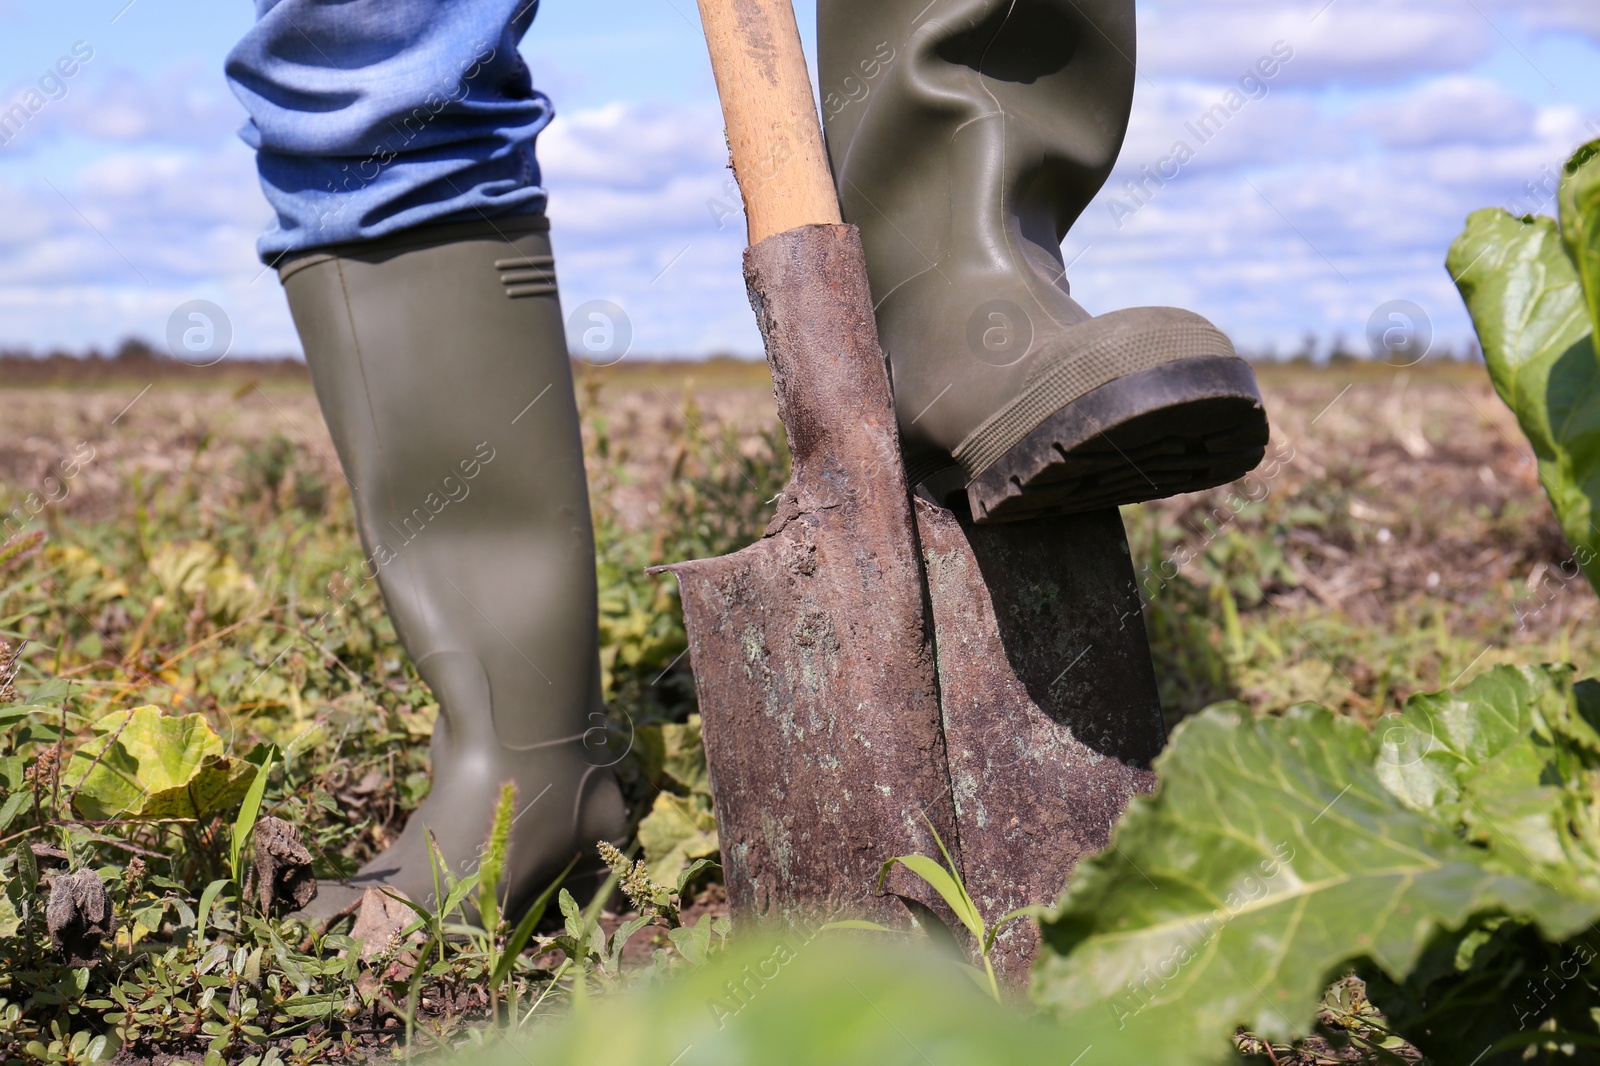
(773, 131)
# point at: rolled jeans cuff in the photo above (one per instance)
(373, 116)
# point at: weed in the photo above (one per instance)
(946, 880)
(190, 651)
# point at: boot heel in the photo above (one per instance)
(1180, 427)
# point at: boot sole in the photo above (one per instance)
(1180, 427)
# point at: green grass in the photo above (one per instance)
(191, 558)
(211, 587)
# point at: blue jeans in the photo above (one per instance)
(373, 116)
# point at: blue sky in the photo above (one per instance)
(1334, 192)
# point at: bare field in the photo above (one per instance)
(1405, 544)
(1403, 539)
(204, 432)
(198, 539)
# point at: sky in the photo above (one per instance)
(1333, 191)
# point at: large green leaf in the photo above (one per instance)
(1580, 220)
(196, 573)
(809, 998)
(683, 756)
(1445, 739)
(681, 826)
(677, 831)
(10, 920)
(144, 764)
(1522, 285)
(1513, 759)
(1276, 853)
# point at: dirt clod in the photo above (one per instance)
(283, 879)
(8, 672)
(79, 917)
(379, 921)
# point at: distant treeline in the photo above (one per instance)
(133, 358)
(1341, 353)
(138, 359)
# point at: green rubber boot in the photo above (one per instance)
(966, 136)
(441, 365)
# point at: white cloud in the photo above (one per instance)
(1350, 42)
(642, 214)
(125, 237)
(1454, 109)
(1340, 190)
(1220, 126)
(185, 105)
(1372, 144)
(188, 104)
(1580, 15)
(624, 145)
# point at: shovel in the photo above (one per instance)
(876, 667)
(811, 648)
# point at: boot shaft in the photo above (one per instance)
(440, 361)
(966, 136)
(971, 128)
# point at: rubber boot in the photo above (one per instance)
(440, 362)
(965, 137)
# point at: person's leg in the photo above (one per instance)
(439, 357)
(966, 136)
(369, 117)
